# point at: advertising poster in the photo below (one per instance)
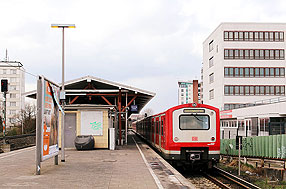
(50, 121)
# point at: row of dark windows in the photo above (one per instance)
(254, 36)
(255, 54)
(254, 90)
(254, 72)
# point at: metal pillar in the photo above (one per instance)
(38, 126)
(63, 101)
(119, 118)
(4, 118)
(126, 114)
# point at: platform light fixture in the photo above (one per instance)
(62, 94)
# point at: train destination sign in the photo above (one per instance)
(194, 111)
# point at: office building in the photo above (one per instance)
(188, 92)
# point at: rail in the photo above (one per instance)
(18, 136)
(235, 179)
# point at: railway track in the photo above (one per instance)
(219, 179)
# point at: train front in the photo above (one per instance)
(194, 134)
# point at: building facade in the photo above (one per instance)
(244, 63)
(188, 92)
(14, 72)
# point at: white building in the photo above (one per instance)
(188, 92)
(13, 72)
(243, 63)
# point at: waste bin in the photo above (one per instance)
(84, 142)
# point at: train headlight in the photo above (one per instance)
(176, 139)
(213, 138)
(194, 104)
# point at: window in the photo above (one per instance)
(211, 46)
(13, 103)
(246, 71)
(254, 54)
(226, 72)
(194, 122)
(211, 94)
(211, 78)
(4, 71)
(226, 90)
(211, 62)
(162, 127)
(12, 95)
(12, 87)
(253, 36)
(13, 71)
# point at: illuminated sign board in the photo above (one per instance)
(194, 111)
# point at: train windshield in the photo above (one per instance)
(194, 122)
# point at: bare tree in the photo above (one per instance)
(26, 119)
(148, 112)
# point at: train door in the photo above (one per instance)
(153, 130)
(162, 132)
(248, 125)
(157, 130)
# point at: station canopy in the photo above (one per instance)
(93, 91)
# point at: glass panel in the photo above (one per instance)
(267, 72)
(282, 54)
(241, 72)
(256, 72)
(251, 71)
(251, 88)
(261, 90)
(250, 36)
(241, 91)
(235, 36)
(231, 90)
(256, 36)
(256, 52)
(236, 90)
(281, 36)
(246, 54)
(246, 36)
(241, 54)
(271, 36)
(236, 72)
(266, 54)
(256, 90)
(282, 90)
(267, 90)
(226, 53)
(226, 72)
(271, 52)
(251, 55)
(246, 70)
(271, 71)
(277, 53)
(266, 35)
(226, 90)
(246, 90)
(240, 36)
(231, 72)
(277, 72)
(277, 91)
(261, 72)
(230, 35)
(282, 72)
(272, 90)
(261, 36)
(230, 54)
(261, 54)
(225, 35)
(194, 122)
(276, 36)
(236, 54)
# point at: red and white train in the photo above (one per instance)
(188, 133)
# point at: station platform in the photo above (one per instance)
(130, 166)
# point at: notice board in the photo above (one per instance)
(92, 123)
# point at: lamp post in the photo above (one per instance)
(62, 94)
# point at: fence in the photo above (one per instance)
(273, 146)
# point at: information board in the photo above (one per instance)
(91, 123)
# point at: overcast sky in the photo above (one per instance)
(148, 44)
